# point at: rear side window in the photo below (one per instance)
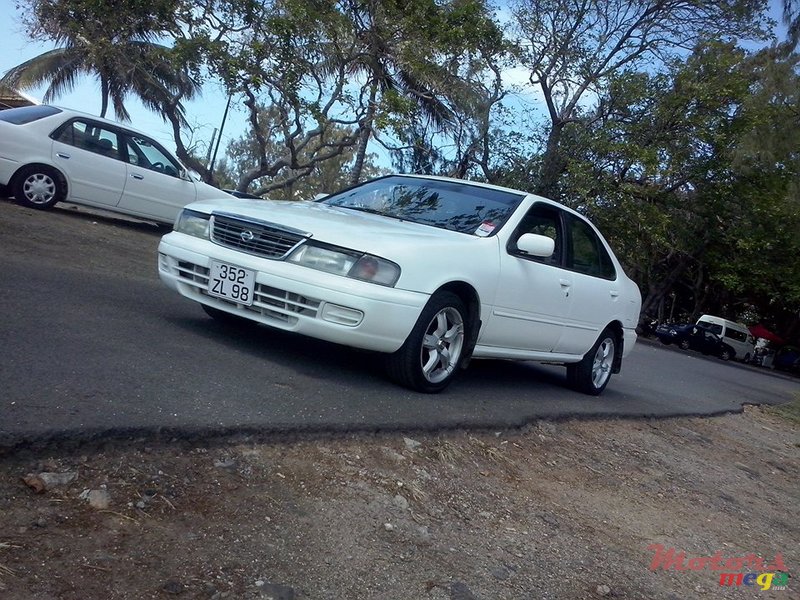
(739, 336)
(588, 255)
(27, 114)
(89, 136)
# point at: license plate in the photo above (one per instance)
(231, 283)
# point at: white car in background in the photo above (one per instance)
(49, 154)
(428, 270)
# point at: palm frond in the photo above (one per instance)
(41, 69)
(426, 98)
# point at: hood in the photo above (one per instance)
(384, 236)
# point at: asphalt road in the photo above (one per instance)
(94, 346)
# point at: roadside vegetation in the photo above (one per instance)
(790, 411)
(671, 123)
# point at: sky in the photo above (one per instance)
(204, 114)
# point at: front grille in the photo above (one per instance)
(273, 304)
(254, 237)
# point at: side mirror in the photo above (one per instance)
(319, 197)
(534, 244)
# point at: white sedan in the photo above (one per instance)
(50, 154)
(428, 270)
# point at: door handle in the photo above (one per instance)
(62, 155)
(565, 282)
(614, 293)
(137, 176)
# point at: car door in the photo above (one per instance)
(154, 187)
(87, 152)
(594, 289)
(531, 302)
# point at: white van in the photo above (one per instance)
(736, 335)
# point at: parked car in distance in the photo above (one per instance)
(689, 336)
(787, 359)
(49, 154)
(734, 334)
(428, 270)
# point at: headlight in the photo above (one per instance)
(348, 263)
(193, 223)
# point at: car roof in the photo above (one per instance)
(70, 113)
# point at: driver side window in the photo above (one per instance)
(144, 153)
(545, 220)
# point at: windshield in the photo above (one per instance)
(445, 204)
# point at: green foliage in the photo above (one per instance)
(693, 175)
(116, 42)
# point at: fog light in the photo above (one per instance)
(341, 315)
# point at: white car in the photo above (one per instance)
(429, 270)
(50, 154)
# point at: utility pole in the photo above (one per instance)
(221, 127)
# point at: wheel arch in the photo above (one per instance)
(616, 327)
(12, 181)
(469, 295)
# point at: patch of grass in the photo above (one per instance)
(790, 412)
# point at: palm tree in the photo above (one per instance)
(381, 49)
(116, 47)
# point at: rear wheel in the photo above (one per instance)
(592, 374)
(39, 187)
(433, 351)
(726, 353)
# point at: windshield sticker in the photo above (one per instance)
(485, 228)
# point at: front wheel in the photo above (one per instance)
(433, 351)
(684, 344)
(592, 374)
(39, 187)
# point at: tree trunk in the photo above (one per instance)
(104, 95)
(364, 134)
(553, 163)
(660, 290)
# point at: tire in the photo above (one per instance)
(39, 187)
(726, 354)
(684, 344)
(435, 348)
(225, 317)
(592, 374)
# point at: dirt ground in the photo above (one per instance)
(559, 510)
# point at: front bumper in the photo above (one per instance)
(296, 298)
